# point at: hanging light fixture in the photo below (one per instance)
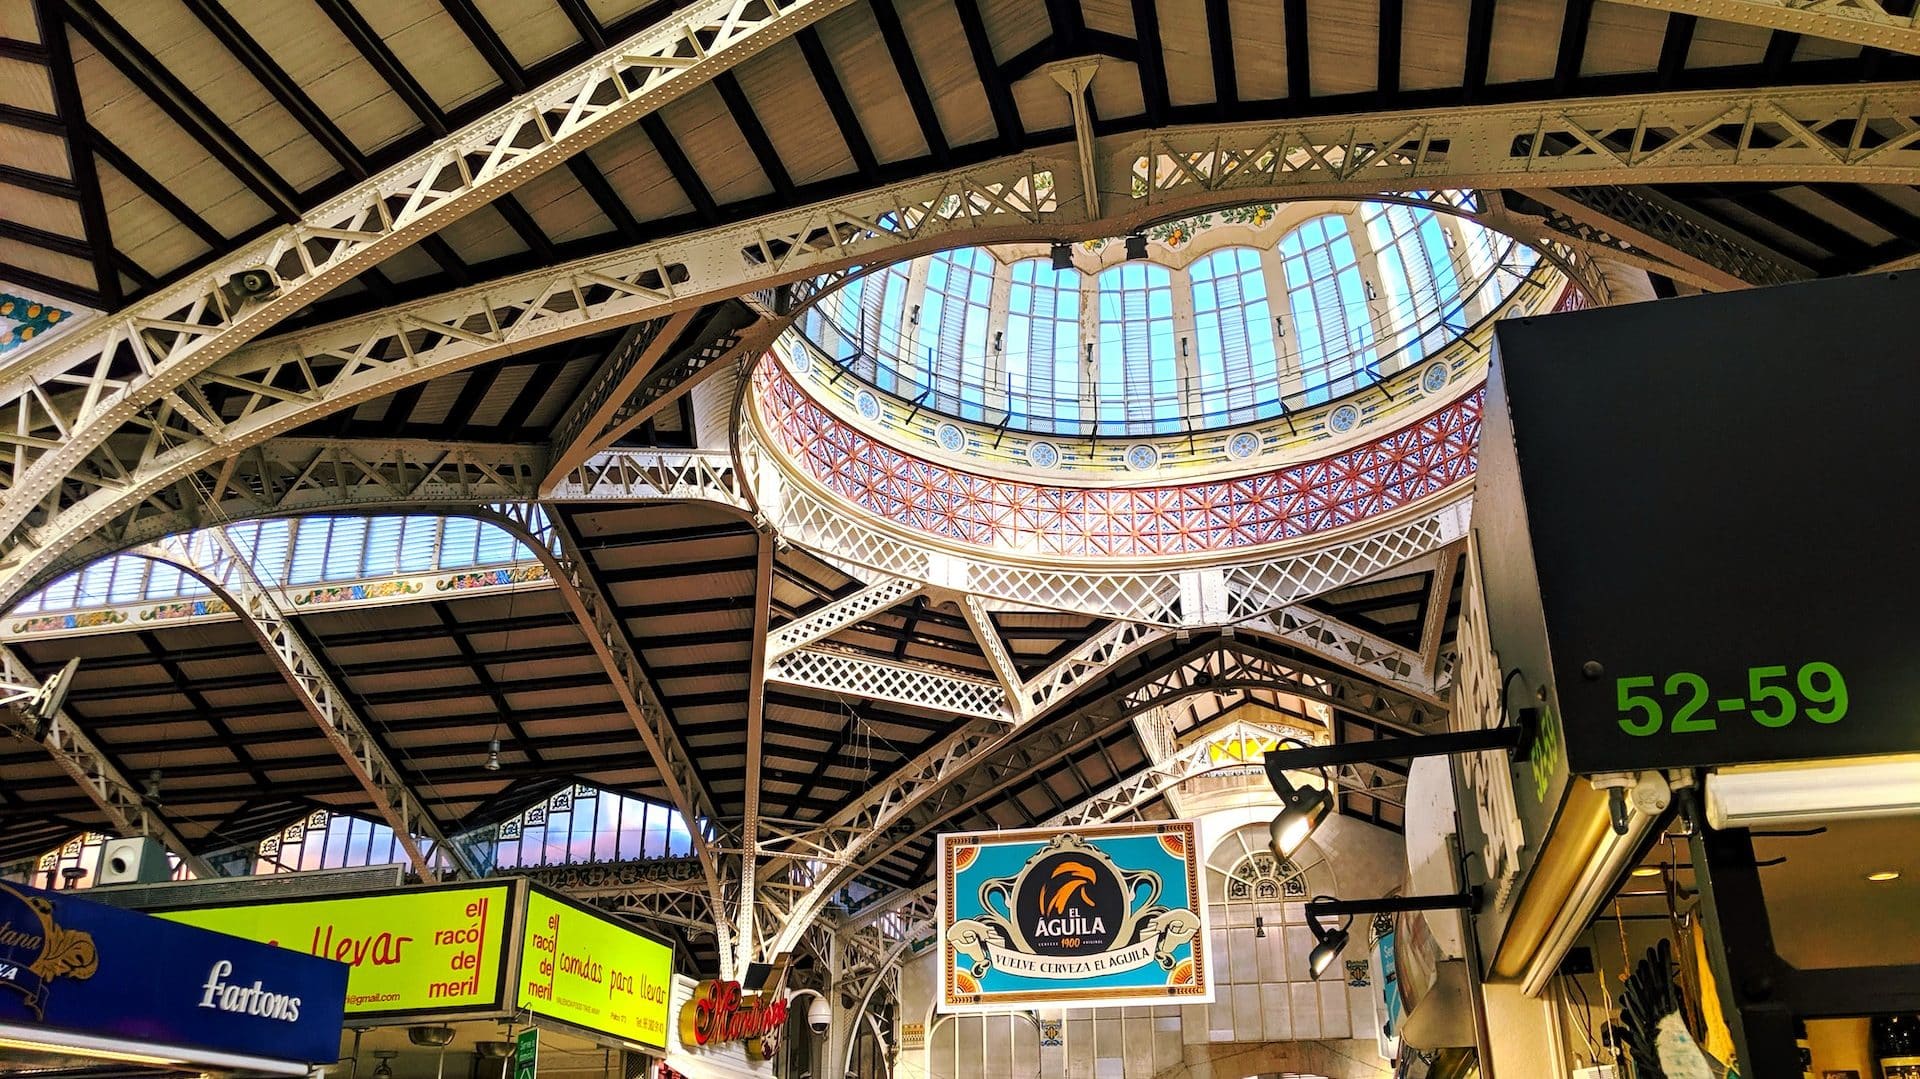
(1136, 246)
(384, 1070)
(1063, 256)
(1328, 942)
(1303, 807)
(493, 755)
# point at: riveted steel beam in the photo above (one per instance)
(1860, 22)
(86, 440)
(129, 813)
(212, 555)
(142, 361)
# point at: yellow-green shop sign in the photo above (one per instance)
(455, 950)
(580, 968)
(433, 951)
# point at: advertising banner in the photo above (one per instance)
(581, 968)
(149, 986)
(1113, 914)
(421, 952)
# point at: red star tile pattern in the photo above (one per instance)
(1398, 468)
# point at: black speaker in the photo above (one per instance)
(257, 283)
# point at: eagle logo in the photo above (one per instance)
(1057, 895)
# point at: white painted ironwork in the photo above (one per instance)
(60, 418)
(1305, 628)
(879, 595)
(651, 475)
(212, 555)
(686, 790)
(129, 813)
(178, 334)
(902, 683)
(1861, 22)
(1254, 588)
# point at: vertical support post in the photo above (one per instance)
(1740, 947)
(756, 711)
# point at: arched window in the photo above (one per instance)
(1233, 336)
(297, 551)
(586, 824)
(325, 840)
(1042, 346)
(953, 330)
(1332, 333)
(1419, 284)
(1139, 384)
(860, 324)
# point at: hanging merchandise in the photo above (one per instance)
(1653, 1026)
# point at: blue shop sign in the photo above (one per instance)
(70, 965)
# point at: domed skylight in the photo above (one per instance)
(1232, 318)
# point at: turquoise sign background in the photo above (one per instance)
(1104, 915)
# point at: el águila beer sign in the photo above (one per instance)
(1105, 915)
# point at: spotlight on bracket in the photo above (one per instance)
(1303, 807)
(1328, 942)
(1062, 256)
(1136, 246)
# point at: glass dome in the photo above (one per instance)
(1233, 318)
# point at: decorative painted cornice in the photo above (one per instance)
(1371, 479)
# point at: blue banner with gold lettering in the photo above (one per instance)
(169, 990)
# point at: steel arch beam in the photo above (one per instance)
(182, 331)
(211, 555)
(1861, 22)
(686, 790)
(126, 810)
(53, 423)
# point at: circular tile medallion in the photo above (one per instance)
(1436, 378)
(1043, 454)
(1142, 457)
(1344, 418)
(1243, 445)
(951, 438)
(867, 404)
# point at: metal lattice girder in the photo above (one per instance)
(168, 340)
(980, 622)
(1710, 254)
(646, 475)
(1238, 664)
(686, 790)
(1849, 134)
(211, 555)
(128, 813)
(619, 880)
(318, 475)
(1861, 22)
(62, 412)
(687, 910)
(881, 594)
(637, 382)
(638, 349)
(1305, 628)
(902, 683)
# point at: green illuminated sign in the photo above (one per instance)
(1772, 697)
